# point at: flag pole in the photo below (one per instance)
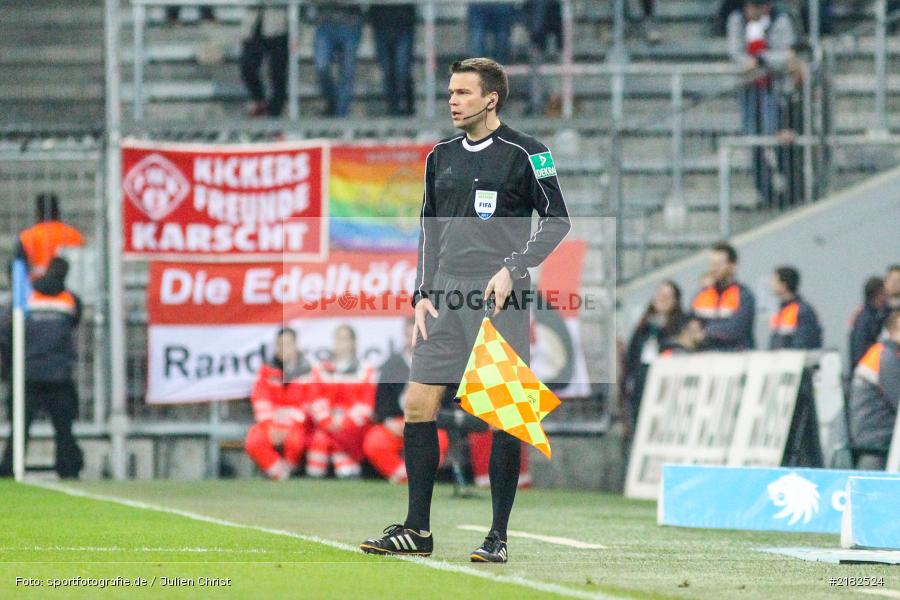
(20, 302)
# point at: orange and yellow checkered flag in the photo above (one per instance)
(500, 389)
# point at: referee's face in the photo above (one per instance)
(467, 104)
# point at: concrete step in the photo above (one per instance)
(83, 34)
(57, 54)
(87, 112)
(81, 91)
(52, 75)
(73, 14)
(862, 84)
(9, 5)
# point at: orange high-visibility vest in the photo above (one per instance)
(42, 241)
(869, 367)
(710, 304)
(784, 321)
(64, 302)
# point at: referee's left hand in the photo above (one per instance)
(500, 285)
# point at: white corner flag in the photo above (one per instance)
(21, 289)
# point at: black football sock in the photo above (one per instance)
(506, 452)
(422, 456)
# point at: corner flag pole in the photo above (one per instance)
(20, 285)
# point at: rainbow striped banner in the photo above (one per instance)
(376, 195)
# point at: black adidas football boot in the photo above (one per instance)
(401, 541)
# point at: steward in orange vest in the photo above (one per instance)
(795, 326)
(875, 392)
(726, 308)
(39, 243)
(53, 315)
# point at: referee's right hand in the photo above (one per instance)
(423, 306)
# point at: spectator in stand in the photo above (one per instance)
(341, 410)
(543, 20)
(726, 8)
(826, 16)
(394, 28)
(277, 441)
(173, 12)
(53, 316)
(892, 287)
(874, 396)
(869, 319)
(495, 19)
(338, 31)
(40, 243)
(264, 34)
(383, 444)
(687, 338)
(788, 180)
(660, 321)
(795, 326)
(648, 28)
(726, 307)
(760, 38)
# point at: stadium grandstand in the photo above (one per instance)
(240, 181)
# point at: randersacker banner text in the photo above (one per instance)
(211, 326)
(225, 203)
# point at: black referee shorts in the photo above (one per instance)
(442, 359)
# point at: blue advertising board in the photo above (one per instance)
(873, 517)
(755, 498)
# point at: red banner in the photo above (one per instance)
(350, 284)
(261, 202)
(212, 325)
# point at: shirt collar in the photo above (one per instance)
(481, 144)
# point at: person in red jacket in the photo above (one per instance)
(277, 441)
(341, 409)
(383, 444)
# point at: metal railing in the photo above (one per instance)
(211, 423)
(879, 26)
(728, 146)
(76, 176)
(429, 18)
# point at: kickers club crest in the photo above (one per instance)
(155, 186)
(485, 203)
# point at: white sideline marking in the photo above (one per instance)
(440, 565)
(550, 539)
(121, 549)
(882, 593)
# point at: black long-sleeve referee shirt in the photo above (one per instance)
(478, 205)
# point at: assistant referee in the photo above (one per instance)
(482, 187)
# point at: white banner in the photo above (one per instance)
(687, 415)
(193, 363)
(714, 409)
(764, 422)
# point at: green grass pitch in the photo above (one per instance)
(47, 535)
